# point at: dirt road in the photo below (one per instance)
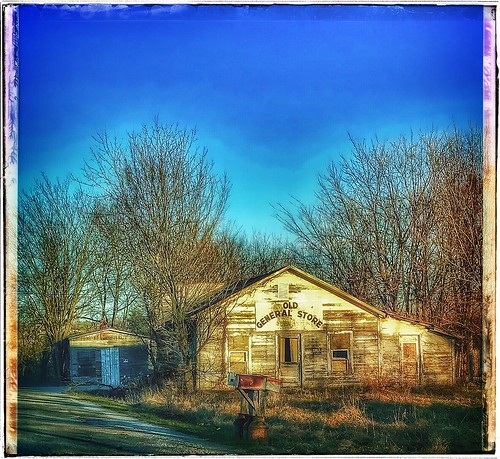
(58, 424)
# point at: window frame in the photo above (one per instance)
(349, 365)
(245, 353)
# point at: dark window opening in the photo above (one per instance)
(87, 365)
(340, 354)
(289, 350)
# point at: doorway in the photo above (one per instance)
(290, 360)
(410, 359)
(110, 366)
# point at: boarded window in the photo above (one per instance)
(289, 350)
(87, 364)
(340, 352)
(238, 343)
(410, 360)
(238, 362)
(409, 351)
(283, 291)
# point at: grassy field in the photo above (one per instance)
(441, 420)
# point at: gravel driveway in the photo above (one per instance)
(52, 423)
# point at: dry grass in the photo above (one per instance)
(426, 396)
(362, 420)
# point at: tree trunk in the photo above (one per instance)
(194, 374)
(58, 355)
(44, 366)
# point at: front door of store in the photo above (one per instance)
(290, 360)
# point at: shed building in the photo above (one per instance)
(304, 331)
(109, 357)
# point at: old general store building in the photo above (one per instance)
(293, 326)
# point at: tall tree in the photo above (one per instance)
(457, 185)
(169, 206)
(111, 283)
(55, 261)
(399, 225)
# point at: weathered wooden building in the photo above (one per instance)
(304, 331)
(109, 357)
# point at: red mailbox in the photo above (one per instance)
(258, 382)
(253, 389)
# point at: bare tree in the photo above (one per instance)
(169, 206)
(261, 253)
(110, 284)
(457, 185)
(55, 261)
(399, 225)
(32, 344)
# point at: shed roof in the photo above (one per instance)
(105, 330)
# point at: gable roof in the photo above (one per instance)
(231, 291)
(335, 290)
(239, 288)
(427, 325)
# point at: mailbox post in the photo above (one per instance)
(253, 389)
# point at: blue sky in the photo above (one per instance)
(274, 91)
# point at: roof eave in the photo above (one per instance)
(336, 291)
(108, 329)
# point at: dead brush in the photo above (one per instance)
(351, 411)
(158, 396)
(332, 420)
(292, 414)
(400, 417)
(152, 397)
(394, 394)
(439, 446)
(353, 414)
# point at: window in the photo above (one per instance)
(238, 362)
(340, 352)
(289, 350)
(283, 291)
(238, 342)
(87, 363)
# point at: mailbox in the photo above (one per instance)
(254, 382)
(253, 390)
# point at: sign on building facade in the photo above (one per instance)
(287, 315)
